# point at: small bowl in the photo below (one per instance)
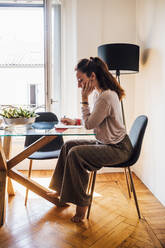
(18, 121)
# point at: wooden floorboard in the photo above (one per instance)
(113, 221)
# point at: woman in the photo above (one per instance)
(112, 145)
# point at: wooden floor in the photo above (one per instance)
(113, 221)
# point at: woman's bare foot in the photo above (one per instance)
(80, 214)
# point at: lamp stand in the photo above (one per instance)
(122, 107)
(124, 122)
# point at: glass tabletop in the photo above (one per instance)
(27, 130)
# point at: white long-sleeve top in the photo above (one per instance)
(105, 118)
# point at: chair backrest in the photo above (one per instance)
(136, 136)
(46, 116)
(45, 120)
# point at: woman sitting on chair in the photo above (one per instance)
(111, 146)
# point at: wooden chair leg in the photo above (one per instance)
(90, 181)
(134, 193)
(127, 181)
(29, 175)
(92, 190)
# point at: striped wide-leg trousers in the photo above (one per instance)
(77, 158)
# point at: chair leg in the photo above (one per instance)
(92, 190)
(128, 186)
(90, 181)
(29, 175)
(134, 193)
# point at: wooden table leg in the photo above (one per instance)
(3, 176)
(7, 149)
(31, 185)
(23, 180)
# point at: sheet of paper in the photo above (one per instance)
(61, 125)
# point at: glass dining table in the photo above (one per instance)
(7, 164)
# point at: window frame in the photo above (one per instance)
(47, 5)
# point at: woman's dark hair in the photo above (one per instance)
(105, 78)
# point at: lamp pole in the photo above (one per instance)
(124, 122)
(122, 107)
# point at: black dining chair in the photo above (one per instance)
(136, 136)
(45, 120)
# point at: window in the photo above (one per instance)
(22, 60)
(22, 55)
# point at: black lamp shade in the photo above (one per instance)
(121, 57)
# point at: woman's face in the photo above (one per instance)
(81, 78)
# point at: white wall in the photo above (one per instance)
(150, 92)
(119, 21)
(86, 25)
(107, 21)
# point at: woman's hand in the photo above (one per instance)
(87, 89)
(68, 121)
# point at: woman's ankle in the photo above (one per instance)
(81, 210)
(80, 214)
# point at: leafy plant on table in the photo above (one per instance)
(17, 113)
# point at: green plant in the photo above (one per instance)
(17, 113)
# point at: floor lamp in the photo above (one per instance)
(121, 58)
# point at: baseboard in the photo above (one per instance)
(50, 165)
